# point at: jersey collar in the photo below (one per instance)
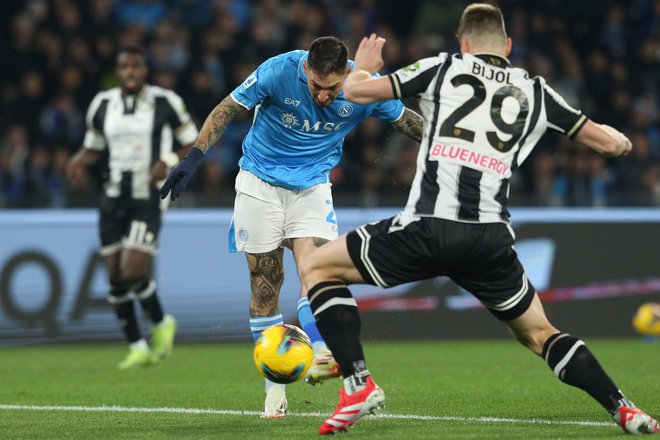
(493, 59)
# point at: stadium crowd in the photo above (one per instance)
(602, 55)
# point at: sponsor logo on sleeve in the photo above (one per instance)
(249, 81)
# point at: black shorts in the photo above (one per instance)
(129, 223)
(478, 257)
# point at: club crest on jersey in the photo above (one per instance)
(144, 106)
(345, 110)
(412, 68)
(243, 235)
(289, 120)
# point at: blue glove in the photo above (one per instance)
(180, 176)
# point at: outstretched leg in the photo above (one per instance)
(573, 363)
(327, 272)
(324, 366)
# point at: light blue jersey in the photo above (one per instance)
(293, 143)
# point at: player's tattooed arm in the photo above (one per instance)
(217, 121)
(411, 124)
(266, 278)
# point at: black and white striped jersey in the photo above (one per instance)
(137, 131)
(482, 118)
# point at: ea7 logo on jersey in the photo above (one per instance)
(293, 102)
(249, 81)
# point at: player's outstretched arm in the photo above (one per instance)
(604, 139)
(217, 121)
(215, 125)
(411, 124)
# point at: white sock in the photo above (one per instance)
(270, 384)
(140, 344)
(356, 382)
(319, 347)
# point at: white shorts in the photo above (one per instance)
(265, 214)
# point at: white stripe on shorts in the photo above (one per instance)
(364, 256)
(515, 299)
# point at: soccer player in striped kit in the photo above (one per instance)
(137, 123)
(482, 118)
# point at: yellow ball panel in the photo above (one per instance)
(283, 353)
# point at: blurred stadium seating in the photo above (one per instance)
(602, 55)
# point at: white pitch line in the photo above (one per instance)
(230, 412)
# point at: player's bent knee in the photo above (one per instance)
(311, 273)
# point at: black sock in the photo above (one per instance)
(338, 320)
(145, 290)
(124, 308)
(574, 364)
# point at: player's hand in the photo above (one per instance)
(181, 174)
(158, 173)
(369, 55)
(76, 173)
(624, 144)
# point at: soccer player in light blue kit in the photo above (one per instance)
(283, 195)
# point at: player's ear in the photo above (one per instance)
(305, 66)
(509, 45)
(464, 44)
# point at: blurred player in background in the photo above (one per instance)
(137, 123)
(482, 118)
(283, 195)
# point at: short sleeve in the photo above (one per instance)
(180, 120)
(413, 80)
(94, 120)
(389, 110)
(257, 87)
(562, 118)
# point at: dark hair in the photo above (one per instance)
(136, 50)
(481, 19)
(327, 55)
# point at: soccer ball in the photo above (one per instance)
(647, 319)
(283, 353)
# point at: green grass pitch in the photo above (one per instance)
(448, 390)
